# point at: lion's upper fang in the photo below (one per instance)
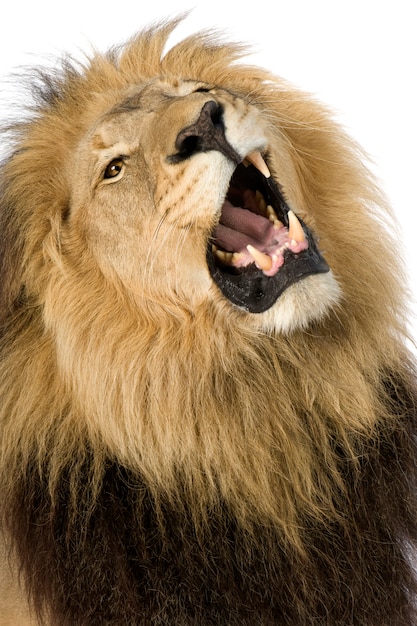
(257, 161)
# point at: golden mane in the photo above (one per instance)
(201, 403)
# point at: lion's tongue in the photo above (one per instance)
(239, 228)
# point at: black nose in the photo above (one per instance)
(207, 133)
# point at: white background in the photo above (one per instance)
(358, 56)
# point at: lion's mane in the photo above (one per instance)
(163, 463)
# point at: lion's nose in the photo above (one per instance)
(207, 133)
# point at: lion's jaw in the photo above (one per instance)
(154, 198)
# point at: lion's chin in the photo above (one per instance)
(260, 248)
(301, 304)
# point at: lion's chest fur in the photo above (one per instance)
(238, 506)
(118, 556)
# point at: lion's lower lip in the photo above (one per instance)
(259, 247)
(250, 289)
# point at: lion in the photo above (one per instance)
(208, 406)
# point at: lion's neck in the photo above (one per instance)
(196, 406)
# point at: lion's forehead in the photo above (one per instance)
(160, 108)
(132, 111)
(151, 96)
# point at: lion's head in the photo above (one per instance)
(199, 285)
(183, 188)
(182, 206)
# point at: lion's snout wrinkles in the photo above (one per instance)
(207, 406)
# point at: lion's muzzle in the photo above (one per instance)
(207, 133)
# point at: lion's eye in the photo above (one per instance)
(114, 168)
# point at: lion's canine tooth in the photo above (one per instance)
(257, 160)
(295, 230)
(263, 261)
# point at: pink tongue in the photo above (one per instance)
(240, 227)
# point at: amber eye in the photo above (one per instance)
(114, 168)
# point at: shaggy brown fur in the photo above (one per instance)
(169, 457)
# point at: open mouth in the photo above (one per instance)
(259, 247)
